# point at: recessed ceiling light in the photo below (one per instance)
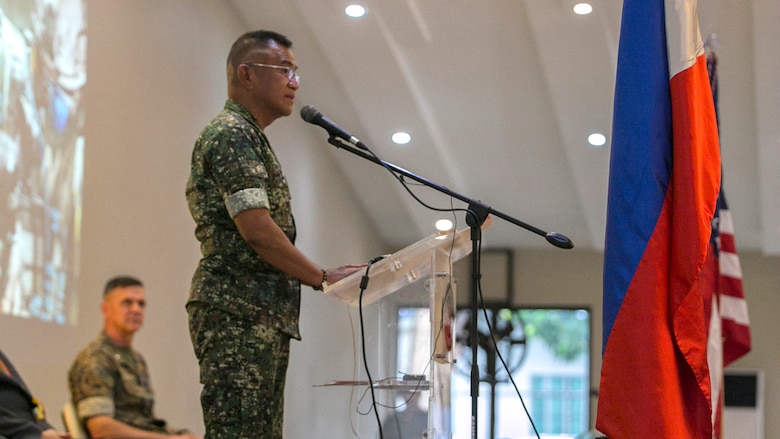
(597, 139)
(582, 8)
(443, 225)
(401, 138)
(355, 11)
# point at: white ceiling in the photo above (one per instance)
(500, 96)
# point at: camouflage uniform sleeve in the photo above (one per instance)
(247, 199)
(239, 169)
(91, 386)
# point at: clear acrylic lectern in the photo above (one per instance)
(408, 317)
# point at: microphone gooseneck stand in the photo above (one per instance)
(477, 213)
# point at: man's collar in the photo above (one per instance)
(242, 110)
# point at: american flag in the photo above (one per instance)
(735, 330)
(729, 337)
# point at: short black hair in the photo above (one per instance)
(121, 282)
(252, 40)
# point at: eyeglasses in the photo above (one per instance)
(288, 71)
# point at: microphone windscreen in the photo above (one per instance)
(308, 113)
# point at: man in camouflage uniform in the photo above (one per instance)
(245, 294)
(109, 380)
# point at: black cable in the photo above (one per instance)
(404, 183)
(503, 362)
(363, 285)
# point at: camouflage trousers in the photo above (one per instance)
(242, 368)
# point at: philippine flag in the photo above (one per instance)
(663, 190)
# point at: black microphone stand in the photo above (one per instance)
(477, 213)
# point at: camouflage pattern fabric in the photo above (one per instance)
(242, 311)
(233, 169)
(242, 369)
(110, 380)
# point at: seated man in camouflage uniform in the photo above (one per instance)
(109, 381)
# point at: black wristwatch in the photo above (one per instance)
(323, 284)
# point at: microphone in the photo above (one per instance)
(558, 240)
(311, 115)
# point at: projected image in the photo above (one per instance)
(42, 73)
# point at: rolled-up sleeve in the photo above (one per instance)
(251, 198)
(94, 406)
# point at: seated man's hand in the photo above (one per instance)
(53, 434)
